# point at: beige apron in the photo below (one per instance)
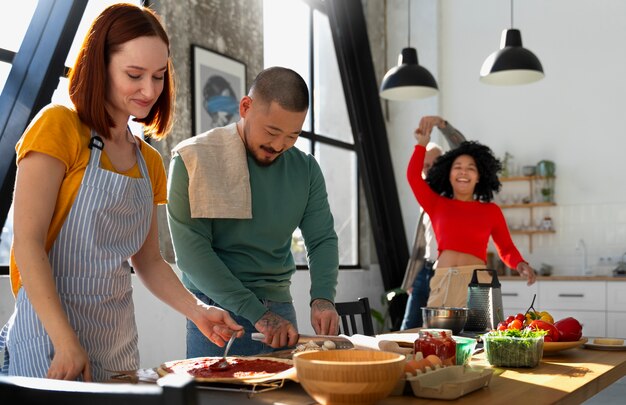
(448, 287)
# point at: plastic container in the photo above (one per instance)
(449, 382)
(464, 348)
(506, 351)
(438, 342)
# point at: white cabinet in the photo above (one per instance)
(517, 296)
(600, 306)
(616, 307)
(616, 324)
(583, 300)
(573, 295)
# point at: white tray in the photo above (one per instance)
(449, 382)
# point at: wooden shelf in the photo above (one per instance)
(528, 205)
(530, 180)
(532, 232)
(524, 178)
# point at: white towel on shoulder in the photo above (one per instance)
(219, 181)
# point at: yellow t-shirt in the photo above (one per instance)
(58, 132)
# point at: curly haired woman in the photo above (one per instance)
(457, 196)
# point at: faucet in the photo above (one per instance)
(581, 246)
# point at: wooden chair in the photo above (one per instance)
(169, 390)
(347, 313)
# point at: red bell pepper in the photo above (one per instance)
(570, 330)
(553, 333)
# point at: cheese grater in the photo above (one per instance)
(484, 301)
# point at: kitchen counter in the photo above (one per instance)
(571, 376)
(566, 278)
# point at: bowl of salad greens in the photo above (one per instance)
(514, 348)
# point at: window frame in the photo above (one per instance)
(315, 137)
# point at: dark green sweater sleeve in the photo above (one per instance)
(320, 238)
(192, 239)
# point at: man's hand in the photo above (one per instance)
(427, 124)
(324, 317)
(278, 331)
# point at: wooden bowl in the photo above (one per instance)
(349, 376)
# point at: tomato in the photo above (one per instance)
(502, 326)
(570, 330)
(516, 324)
(509, 319)
(553, 332)
(547, 338)
(520, 317)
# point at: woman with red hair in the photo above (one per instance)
(85, 205)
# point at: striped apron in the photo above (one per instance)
(107, 224)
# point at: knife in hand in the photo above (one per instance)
(341, 342)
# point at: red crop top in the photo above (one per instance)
(463, 226)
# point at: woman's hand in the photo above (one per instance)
(422, 137)
(216, 324)
(69, 363)
(527, 272)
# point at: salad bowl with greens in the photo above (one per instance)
(514, 348)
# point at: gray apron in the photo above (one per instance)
(107, 224)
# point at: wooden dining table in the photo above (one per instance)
(567, 377)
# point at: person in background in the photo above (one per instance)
(424, 252)
(236, 194)
(456, 195)
(85, 203)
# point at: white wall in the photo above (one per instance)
(574, 117)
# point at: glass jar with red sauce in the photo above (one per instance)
(438, 342)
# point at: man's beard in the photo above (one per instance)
(252, 152)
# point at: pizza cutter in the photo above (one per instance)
(340, 342)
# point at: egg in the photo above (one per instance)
(423, 364)
(434, 360)
(410, 367)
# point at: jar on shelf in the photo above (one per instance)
(438, 342)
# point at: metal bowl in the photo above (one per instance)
(453, 318)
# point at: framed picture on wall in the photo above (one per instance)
(218, 82)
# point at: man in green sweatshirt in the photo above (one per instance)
(235, 196)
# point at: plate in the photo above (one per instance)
(403, 339)
(596, 346)
(555, 347)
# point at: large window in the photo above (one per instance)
(14, 21)
(303, 42)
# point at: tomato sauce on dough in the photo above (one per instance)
(239, 368)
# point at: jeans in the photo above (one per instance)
(199, 345)
(418, 297)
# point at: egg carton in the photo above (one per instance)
(449, 382)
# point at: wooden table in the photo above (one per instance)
(568, 377)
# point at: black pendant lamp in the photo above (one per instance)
(408, 80)
(511, 64)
